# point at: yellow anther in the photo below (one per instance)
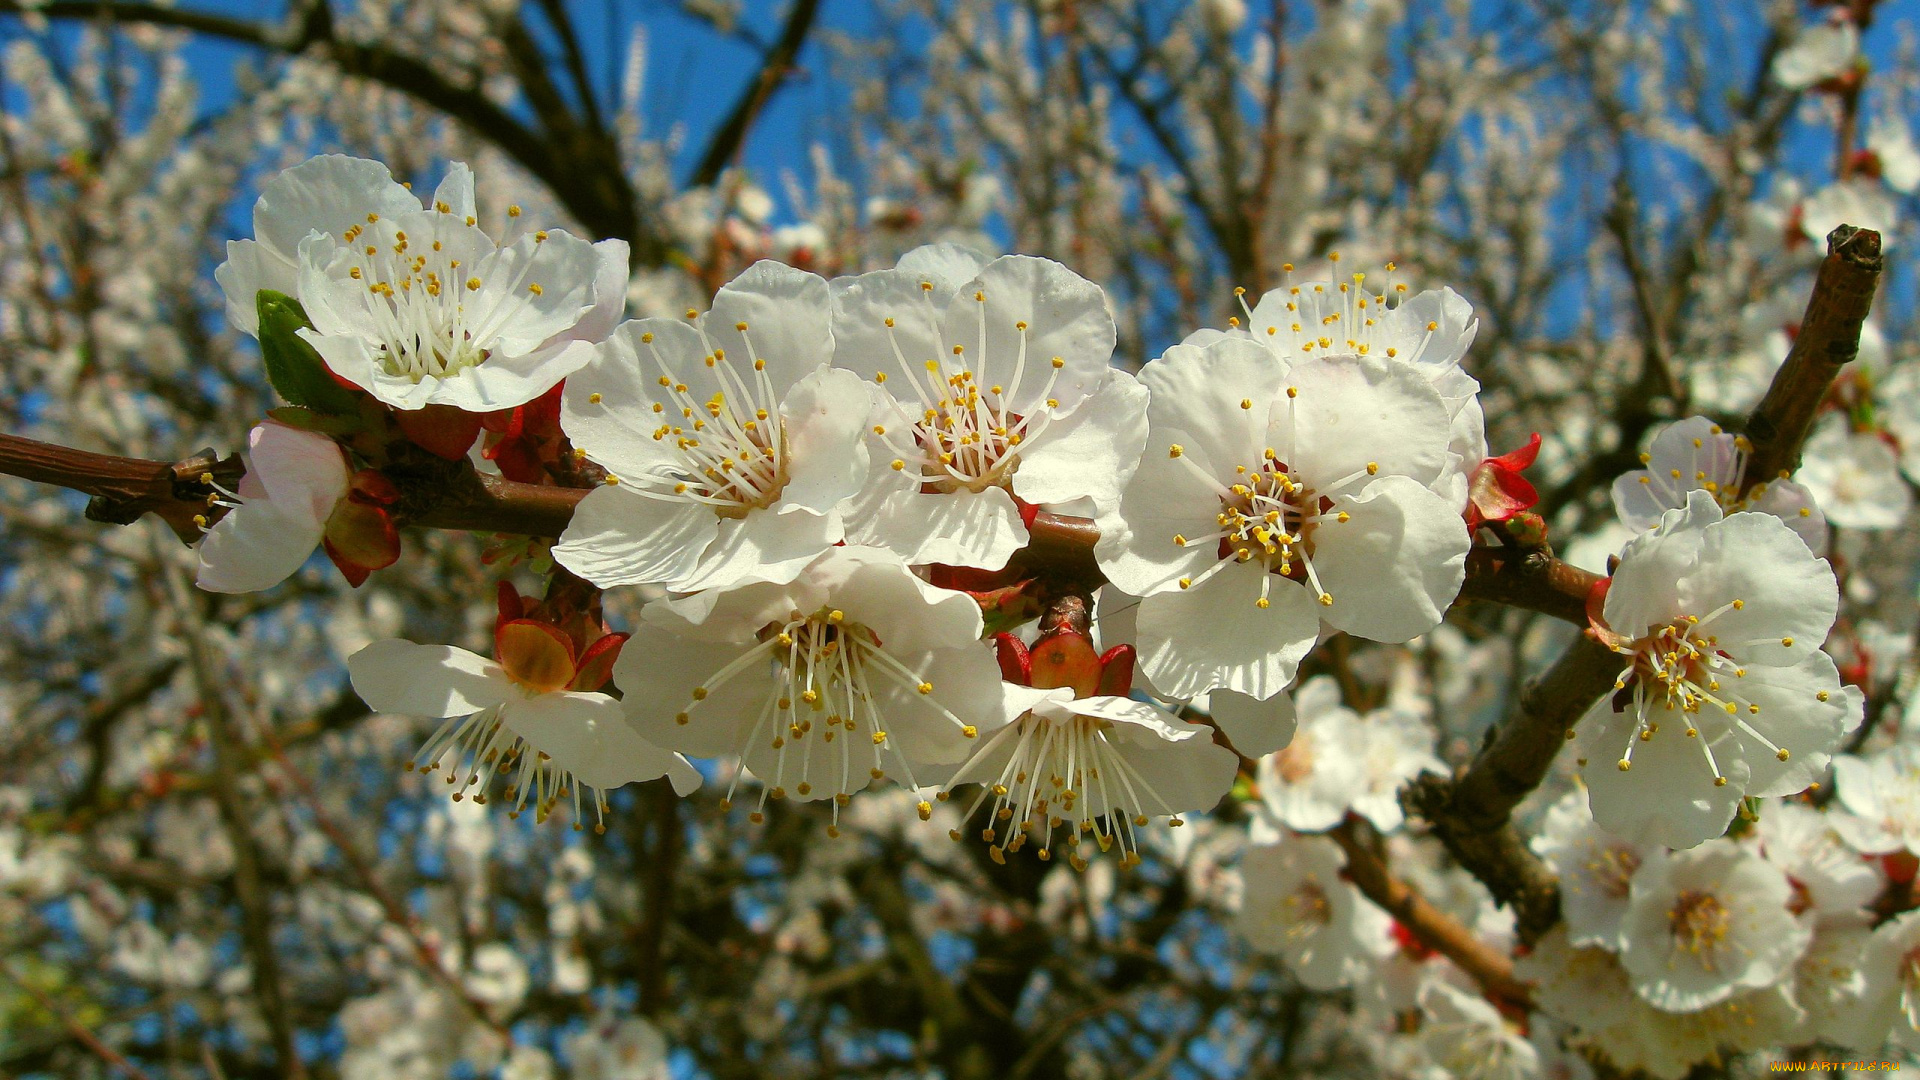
(593, 398)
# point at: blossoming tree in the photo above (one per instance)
(1399, 570)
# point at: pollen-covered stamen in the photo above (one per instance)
(1682, 668)
(417, 297)
(1269, 515)
(483, 747)
(1309, 910)
(732, 446)
(1352, 319)
(821, 717)
(1060, 773)
(1698, 922)
(1707, 469)
(957, 429)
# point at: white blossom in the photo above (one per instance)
(854, 649)
(995, 387)
(1705, 924)
(1695, 454)
(1726, 692)
(1274, 497)
(1295, 905)
(1855, 476)
(293, 480)
(730, 445)
(1595, 869)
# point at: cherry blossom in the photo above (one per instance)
(1881, 795)
(1890, 998)
(995, 392)
(294, 481)
(1596, 871)
(1296, 905)
(730, 446)
(855, 649)
(1855, 476)
(1468, 1037)
(1726, 692)
(533, 715)
(1092, 765)
(1275, 498)
(1829, 878)
(417, 305)
(1341, 761)
(1821, 52)
(1697, 454)
(1705, 924)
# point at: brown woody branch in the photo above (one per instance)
(1437, 930)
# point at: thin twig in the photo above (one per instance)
(74, 1027)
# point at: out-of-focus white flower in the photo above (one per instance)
(1882, 797)
(995, 387)
(1273, 497)
(1890, 1000)
(1829, 983)
(1860, 202)
(1695, 454)
(293, 481)
(1588, 989)
(1705, 924)
(610, 1049)
(1295, 905)
(1726, 692)
(1829, 878)
(853, 671)
(729, 443)
(1855, 476)
(1891, 141)
(1596, 872)
(1096, 766)
(1825, 51)
(1223, 16)
(1340, 760)
(497, 978)
(1467, 1037)
(1896, 400)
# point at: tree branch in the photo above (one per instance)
(1435, 928)
(732, 133)
(604, 203)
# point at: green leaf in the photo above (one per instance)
(294, 416)
(294, 368)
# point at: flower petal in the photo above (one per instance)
(1785, 593)
(254, 547)
(618, 537)
(588, 736)
(1091, 452)
(1255, 727)
(1065, 316)
(398, 676)
(1213, 635)
(1395, 565)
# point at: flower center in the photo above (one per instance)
(1342, 322)
(416, 292)
(483, 747)
(1061, 772)
(1678, 668)
(1698, 923)
(1611, 870)
(1308, 909)
(961, 431)
(733, 454)
(1269, 515)
(1296, 760)
(820, 719)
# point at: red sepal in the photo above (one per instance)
(1900, 866)
(1016, 663)
(441, 430)
(1065, 658)
(1496, 491)
(1028, 512)
(596, 663)
(360, 538)
(1116, 671)
(535, 654)
(1410, 943)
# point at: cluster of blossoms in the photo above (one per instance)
(822, 486)
(831, 497)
